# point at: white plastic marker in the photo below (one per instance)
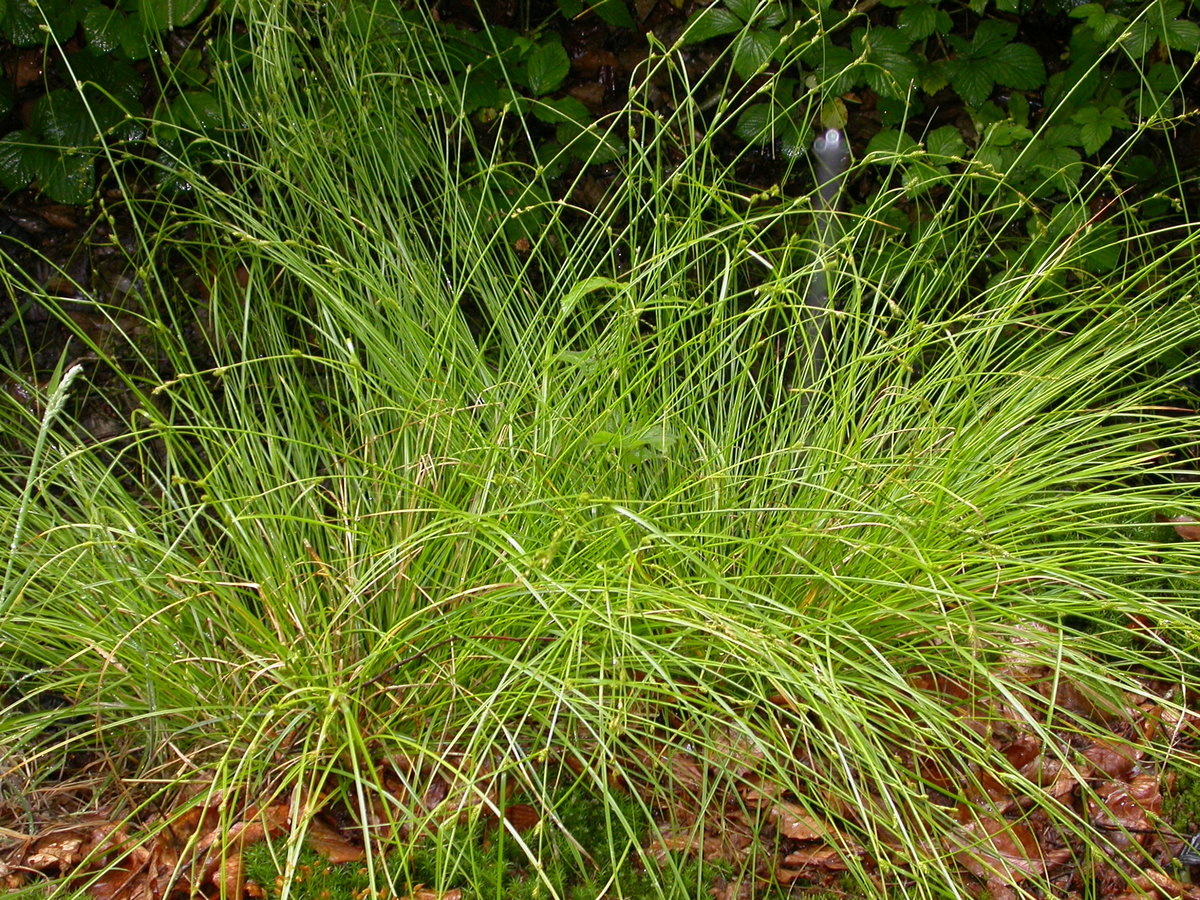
(832, 159)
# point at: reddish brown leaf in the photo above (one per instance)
(821, 856)
(521, 816)
(1111, 760)
(793, 822)
(331, 843)
(1187, 527)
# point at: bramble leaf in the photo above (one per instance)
(711, 22)
(752, 49)
(614, 12)
(990, 36)
(918, 21)
(1019, 66)
(889, 67)
(546, 68)
(972, 80)
(946, 141)
(1096, 126)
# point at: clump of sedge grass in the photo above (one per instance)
(441, 501)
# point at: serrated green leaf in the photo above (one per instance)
(1181, 35)
(972, 80)
(1102, 23)
(836, 71)
(918, 21)
(1096, 126)
(1093, 132)
(1018, 66)
(24, 25)
(752, 50)
(163, 15)
(890, 143)
(614, 12)
(546, 68)
(990, 36)
(743, 9)
(1139, 38)
(1059, 167)
(65, 120)
(1005, 134)
(753, 125)
(888, 66)
(1163, 77)
(1018, 108)
(67, 177)
(19, 151)
(564, 109)
(946, 141)
(109, 77)
(772, 15)
(199, 111)
(591, 144)
(711, 22)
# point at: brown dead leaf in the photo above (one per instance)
(821, 856)
(331, 843)
(61, 852)
(1187, 527)
(1111, 760)
(793, 822)
(1123, 807)
(521, 816)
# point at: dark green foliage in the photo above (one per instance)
(100, 105)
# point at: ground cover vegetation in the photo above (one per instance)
(482, 530)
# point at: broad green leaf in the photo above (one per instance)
(1005, 134)
(711, 22)
(64, 119)
(1058, 166)
(1181, 35)
(25, 24)
(1163, 77)
(67, 177)
(163, 15)
(743, 9)
(972, 80)
(198, 111)
(946, 141)
(591, 144)
(889, 66)
(1018, 108)
(546, 67)
(614, 12)
(1019, 66)
(109, 77)
(990, 36)
(754, 123)
(752, 50)
(1096, 126)
(111, 31)
(1103, 24)
(890, 143)
(918, 21)
(1140, 37)
(564, 109)
(18, 159)
(772, 15)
